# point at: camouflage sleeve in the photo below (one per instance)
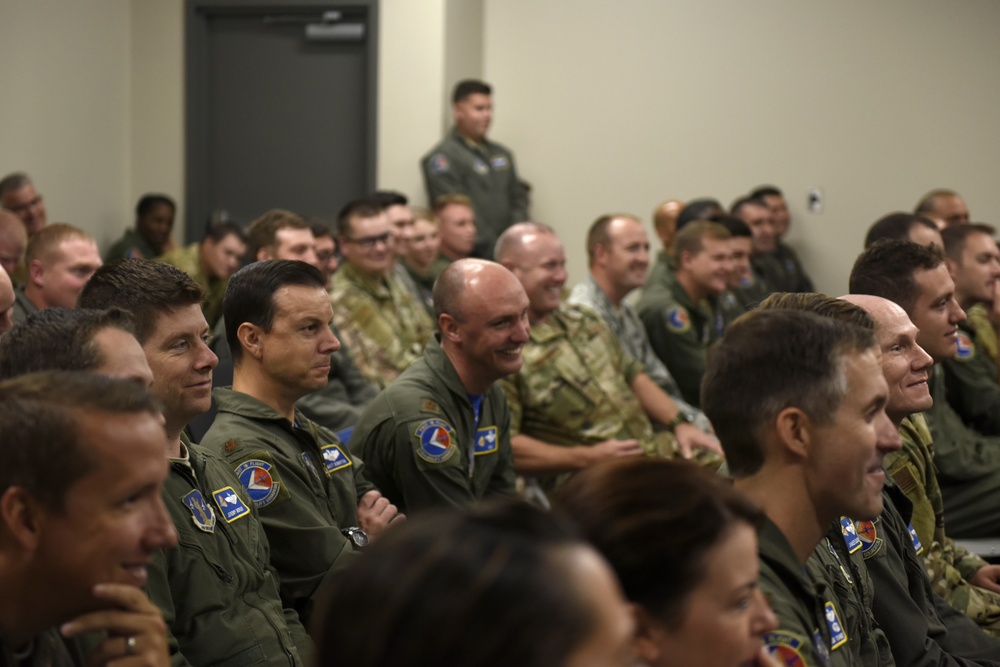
(376, 348)
(966, 562)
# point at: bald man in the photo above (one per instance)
(945, 207)
(665, 222)
(6, 302)
(439, 436)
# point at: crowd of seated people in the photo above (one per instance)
(297, 443)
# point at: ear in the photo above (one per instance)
(21, 516)
(648, 636)
(793, 428)
(263, 253)
(952, 266)
(600, 254)
(508, 264)
(35, 272)
(685, 258)
(251, 340)
(449, 328)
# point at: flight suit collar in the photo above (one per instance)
(247, 406)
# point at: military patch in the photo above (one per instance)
(821, 648)
(917, 546)
(480, 167)
(335, 458)
(312, 466)
(499, 162)
(838, 636)
(434, 438)
(427, 405)
(871, 543)
(678, 320)
(201, 514)
(966, 348)
(260, 479)
(850, 534)
(439, 163)
(344, 434)
(840, 564)
(134, 253)
(232, 505)
(486, 440)
(785, 648)
(230, 446)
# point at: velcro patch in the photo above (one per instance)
(335, 458)
(434, 443)
(439, 163)
(499, 162)
(201, 514)
(917, 546)
(678, 320)
(230, 503)
(486, 441)
(850, 534)
(966, 348)
(259, 476)
(480, 167)
(786, 648)
(838, 636)
(871, 543)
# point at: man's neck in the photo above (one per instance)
(694, 291)
(786, 503)
(35, 296)
(472, 384)
(174, 442)
(250, 380)
(614, 294)
(450, 254)
(18, 622)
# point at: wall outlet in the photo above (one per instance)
(815, 200)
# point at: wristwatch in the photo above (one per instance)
(680, 418)
(357, 536)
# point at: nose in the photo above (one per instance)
(922, 360)
(955, 312)
(330, 343)
(522, 331)
(887, 435)
(763, 619)
(206, 358)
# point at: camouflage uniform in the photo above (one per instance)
(385, 329)
(574, 387)
(948, 564)
(188, 260)
(971, 382)
(986, 335)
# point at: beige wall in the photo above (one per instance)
(608, 105)
(619, 105)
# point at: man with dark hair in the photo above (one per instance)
(59, 260)
(315, 504)
(440, 434)
(944, 206)
(468, 163)
(746, 285)
(211, 618)
(281, 234)
(904, 227)
(82, 516)
(18, 195)
(786, 260)
(154, 220)
(679, 314)
(968, 464)
(799, 405)
(211, 262)
(326, 248)
(384, 327)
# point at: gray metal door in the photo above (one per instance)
(280, 109)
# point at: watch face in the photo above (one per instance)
(359, 537)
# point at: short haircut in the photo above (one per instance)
(58, 339)
(421, 213)
(250, 295)
(388, 198)
(512, 240)
(145, 288)
(896, 226)
(736, 227)
(766, 191)
(820, 304)
(150, 201)
(469, 87)
(698, 209)
(447, 292)
(44, 243)
(598, 234)
(14, 182)
(362, 208)
(771, 360)
(744, 202)
(928, 202)
(263, 230)
(887, 269)
(224, 228)
(444, 201)
(320, 228)
(955, 237)
(690, 239)
(655, 521)
(511, 596)
(40, 414)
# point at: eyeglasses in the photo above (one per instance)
(369, 242)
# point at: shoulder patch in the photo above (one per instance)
(871, 543)
(230, 446)
(850, 534)
(345, 433)
(434, 440)
(966, 348)
(917, 546)
(335, 458)
(439, 163)
(786, 648)
(678, 320)
(230, 503)
(838, 636)
(486, 441)
(134, 253)
(201, 514)
(260, 478)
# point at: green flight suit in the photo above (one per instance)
(948, 565)
(188, 259)
(801, 603)
(483, 172)
(968, 467)
(131, 246)
(423, 446)
(304, 483)
(384, 327)
(48, 649)
(217, 591)
(680, 332)
(971, 383)
(23, 307)
(986, 335)
(782, 270)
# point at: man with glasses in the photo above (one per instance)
(384, 327)
(18, 195)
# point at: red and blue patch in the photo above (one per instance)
(678, 320)
(434, 440)
(255, 476)
(439, 163)
(966, 348)
(871, 543)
